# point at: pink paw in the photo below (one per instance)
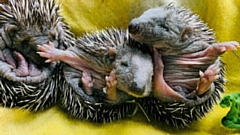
(111, 91)
(87, 83)
(206, 78)
(222, 47)
(22, 69)
(111, 80)
(49, 51)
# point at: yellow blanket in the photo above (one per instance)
(90, 15)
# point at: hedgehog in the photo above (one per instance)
(188, 73)
(26, 80)
(104, 75)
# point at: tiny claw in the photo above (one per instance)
(201, 73)
(50, 44)
(48, 61)
(107, 78)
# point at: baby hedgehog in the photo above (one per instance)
(103, 61)
(26, 80)
(188, 72)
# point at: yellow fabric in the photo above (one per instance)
(90, 15)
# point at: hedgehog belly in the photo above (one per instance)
(26, 84)
(91, 108)
(180, 114)
(34, 96)
(26, 80)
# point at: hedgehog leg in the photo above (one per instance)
(111, 91)
(161, 90)
(33, 70)
(22, 69)
(53, 54)
(50, 52)
(213, 51)
(7, 56)
(206, 79)
(87, 83)
(219, 48)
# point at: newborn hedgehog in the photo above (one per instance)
(26, 80)
(103, 60)
(188, 72)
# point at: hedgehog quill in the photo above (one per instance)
(188, 74)
(102, 60)
(26, 80)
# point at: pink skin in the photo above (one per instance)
(206, 79)
(87, 83)
(52, 54)
(19, 65)
(162, 91)
(33, 71)
(212, 52)
(215, 50)
(111, 91)
(22, 69)
(7, 56)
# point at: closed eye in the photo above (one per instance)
(124, 63)
(164, 27)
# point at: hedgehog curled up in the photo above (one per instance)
(26, 80)
(98, 61)
(188, 74)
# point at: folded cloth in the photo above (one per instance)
(90, 15)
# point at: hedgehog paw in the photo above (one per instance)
(87, 83)
(111, 91)
(50, 52)
(206, 79)
(222, 47)
(22, 69)
(7, 56)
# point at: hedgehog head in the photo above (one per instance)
(134, 70)
(168, 27)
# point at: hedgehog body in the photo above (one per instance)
(26, 80)
(186, 47)
(104, 51)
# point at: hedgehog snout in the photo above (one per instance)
(133, 27)
(136, 90)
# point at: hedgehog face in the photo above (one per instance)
(25, 41)
(134, 70)
(161, 27)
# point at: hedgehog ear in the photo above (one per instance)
(112, 53)
(12, 28)
(186, 34)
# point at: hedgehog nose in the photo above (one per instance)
(135, 89)
(133, 28)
